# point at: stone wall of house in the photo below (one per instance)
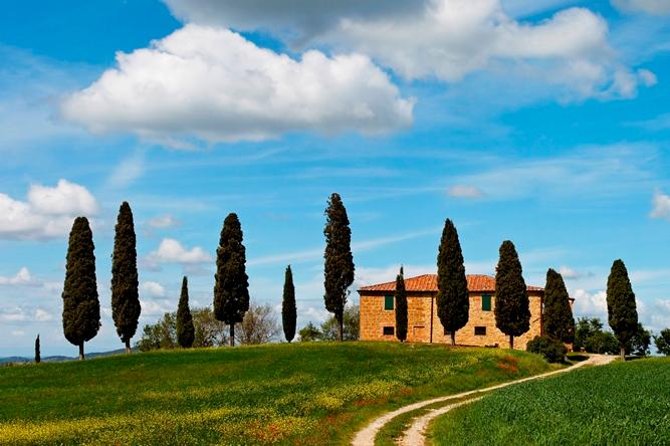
(374, 318)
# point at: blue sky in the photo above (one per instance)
(543, 122)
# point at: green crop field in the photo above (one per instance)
(619, 404)
(308, 394)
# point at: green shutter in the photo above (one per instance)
(388, 302)
(486, 302)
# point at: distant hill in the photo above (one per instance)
(24, 359)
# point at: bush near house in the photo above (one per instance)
(553, 350)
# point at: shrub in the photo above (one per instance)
(552, 349)
(662, 342)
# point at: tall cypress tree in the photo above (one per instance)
(621, 306)
(38, 357)
(511, 301)
(288, 307)
(453, 299)
(231, 288)
(125, 295)
(185, 328)
(81, 308)
(400, 307)
(339, 262)
(557, 319)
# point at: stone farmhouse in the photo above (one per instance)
(377, 312)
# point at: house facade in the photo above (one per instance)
(377, 313)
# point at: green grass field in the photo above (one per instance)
(619, 404)
(305, 394)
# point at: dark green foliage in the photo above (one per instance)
(590, 336)
(330, 330)
(81, 308)
(289, 312)
(185, 329)
(552, 349)
(310, 333)
(38, 358)
(640, 342)
(231, 288)
(339, 262)
(125, 296)
(453, 299)
(400, 307)
(163, 334)
(662, 342)
(557, 319)
(621, 306)
(511, 305)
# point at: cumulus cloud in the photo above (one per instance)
(213, 84)
(152, 289)
(22, 278)
(48, 212)
(171, 251)
(654, 7)
(590, 304)
(660, 206)
(444, 39)
(21, 314)
(464, 191)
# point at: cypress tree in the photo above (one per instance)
(38, 358)
(125, 295)
(185, 328)
(288, 307)
(400, 307)
(558, 322)
(339, 262)
(231, 288)
(453, 299)
(511, 305)
(621, 306)
(81, 308)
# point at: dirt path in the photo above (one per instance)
(367, 435)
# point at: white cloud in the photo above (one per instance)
(464, 191)
(171, 251)
(655, 7)
(445, 39)
(213, 84)
(22, 278)
(569, 273)
(18, 333)
(48, 213)
(590, 304)
(660, 206)
(42, 315)
(152, 289)
(165, 221)
(151, 308)
(64, 199)
(21, 314)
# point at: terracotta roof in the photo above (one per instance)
(428, 283)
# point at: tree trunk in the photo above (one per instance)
(511, 342)
(341, 328)
(232, 335)
(623, 353)
(453, 338)
(81, 351)
(128, 349)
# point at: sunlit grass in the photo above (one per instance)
(619, 404)
(276, 394)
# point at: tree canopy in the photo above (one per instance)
(512, 310)
(621, 305)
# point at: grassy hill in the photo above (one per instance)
(619, 404)
(305, 394)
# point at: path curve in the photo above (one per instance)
(367, 435)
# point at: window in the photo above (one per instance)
(480, 331)
(389, 331)
(388, 302)
(486, 302)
